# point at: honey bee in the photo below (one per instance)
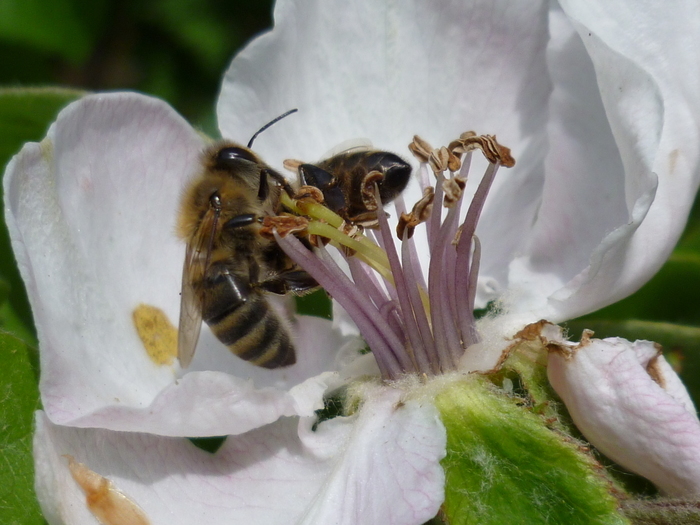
(229, 266)
(347, 182)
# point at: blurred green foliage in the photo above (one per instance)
(174, 49)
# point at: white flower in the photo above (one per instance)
(602, 123)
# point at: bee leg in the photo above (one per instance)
(297, 282)
(264, 189)
(332, 193)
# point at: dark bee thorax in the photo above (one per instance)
(347, 181)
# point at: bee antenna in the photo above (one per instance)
(273, 121)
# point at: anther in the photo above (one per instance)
(420, 149)
(420, 213)
(283, 225)
(439, 160)
(309, 193)
(369, 183)
(453, 189)
(292, 164)
(489, 146)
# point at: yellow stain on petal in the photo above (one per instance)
(107, 504)
(158, 335)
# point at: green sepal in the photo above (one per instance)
(505, 464)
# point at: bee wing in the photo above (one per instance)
(196, 260)
(347, 146)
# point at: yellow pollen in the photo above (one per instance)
(157, 333)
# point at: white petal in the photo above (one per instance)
(629, 404)
(385, 71)
(389, 70)
(91, 212)
(652, 98)
(381, 466)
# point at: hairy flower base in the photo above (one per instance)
(509, 458)
(505, 464)
(412, 327)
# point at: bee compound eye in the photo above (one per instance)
(231, 156)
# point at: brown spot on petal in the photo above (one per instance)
(673, 160)
(158, 335)
(109, 505)
(532, 331)
(654, 368)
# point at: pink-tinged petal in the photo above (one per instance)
(379, 466)
(631, 406)
(652, 100)
(91, 212)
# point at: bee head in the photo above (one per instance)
(234, 158)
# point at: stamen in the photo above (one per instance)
(400, 281)
(339, 286)
(436, 217)
(428, 360)
(410, 328)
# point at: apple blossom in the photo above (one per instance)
(604, 130)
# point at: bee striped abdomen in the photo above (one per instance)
(244, 321)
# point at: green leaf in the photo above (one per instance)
(54, 27)
(25, 115)
(317, 304)
(670, 296)
(196, 25)
(504, 465)
(20, 399)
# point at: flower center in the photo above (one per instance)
(412, 327)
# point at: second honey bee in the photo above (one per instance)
(347, 181)
(229, 266)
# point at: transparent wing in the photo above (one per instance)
(197, 258)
